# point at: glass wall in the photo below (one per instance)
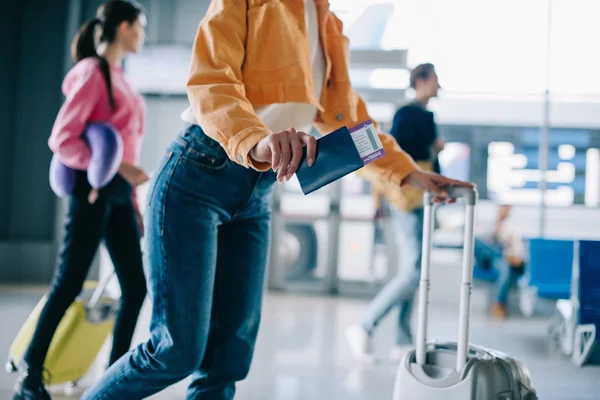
(494, 62)
(483, 46)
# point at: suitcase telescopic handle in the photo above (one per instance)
(99, 292)
(470, 197)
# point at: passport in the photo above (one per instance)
(340, 153)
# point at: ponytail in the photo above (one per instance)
(84, 43)
(84, 46)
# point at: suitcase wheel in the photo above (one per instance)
(10, 367)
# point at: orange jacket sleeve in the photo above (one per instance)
(215, 88)
(395, 165)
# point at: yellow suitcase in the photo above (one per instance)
(78, 338)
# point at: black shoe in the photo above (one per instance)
(30, 386)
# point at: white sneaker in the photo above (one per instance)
(398, 352)
(360, 344)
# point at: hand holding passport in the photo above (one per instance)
(338, 154)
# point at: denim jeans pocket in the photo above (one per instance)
(205, 158)
(204, 152)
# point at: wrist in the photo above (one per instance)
(410, 176)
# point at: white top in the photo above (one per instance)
(293, 115)
(511, 242)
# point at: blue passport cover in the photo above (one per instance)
(337, 156)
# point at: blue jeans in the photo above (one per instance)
(508, 278)
(486, 252)
(207, 238)
(400, 291)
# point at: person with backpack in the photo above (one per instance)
(96, 90)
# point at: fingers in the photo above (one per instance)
(275, 152)
(286, 155)
(142, 178)
(296, 146)
(441, 183)
(439, 199)
(133, 175)
(286, 150)
(139, 179)
(437, 184)
(454, 182)
(140, 222)
(93, 196)
(311, 147)
(437, 188)
(434, 183)
(442, 199)
(444, 181)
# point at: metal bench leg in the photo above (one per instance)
(584, 343)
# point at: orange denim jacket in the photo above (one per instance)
(250, 53)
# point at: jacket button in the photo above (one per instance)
(339, 117)
(328, 82)
(240, 158)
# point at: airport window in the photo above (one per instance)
(500, 60)
(573, 23)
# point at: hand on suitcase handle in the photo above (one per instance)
(440, 189)
(470, 194)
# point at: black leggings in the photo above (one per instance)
(112, 218)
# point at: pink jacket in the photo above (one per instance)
(87, 101)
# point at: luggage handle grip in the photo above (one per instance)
(470, 195)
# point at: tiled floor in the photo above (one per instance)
(302, 354)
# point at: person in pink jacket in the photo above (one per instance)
(96, 90)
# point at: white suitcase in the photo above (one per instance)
(457, 371)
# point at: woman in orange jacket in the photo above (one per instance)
(263, 72)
